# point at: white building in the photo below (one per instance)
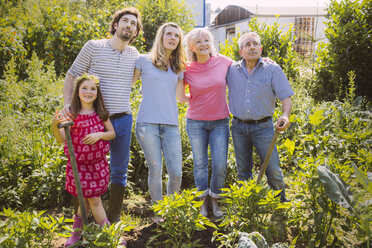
(202, 11)
(308, 23)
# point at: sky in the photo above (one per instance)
(267, 3)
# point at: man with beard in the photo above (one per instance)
(113, 61)
(254, 84)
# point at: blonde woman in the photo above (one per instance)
(157, 131)
(207, 115)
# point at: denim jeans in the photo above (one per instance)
(119, 150)
(216, 134)
(156, 139)
(245, 137)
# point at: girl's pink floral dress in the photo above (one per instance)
(91, 159)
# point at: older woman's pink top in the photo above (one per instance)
(207, 83)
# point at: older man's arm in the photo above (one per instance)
(283, 122)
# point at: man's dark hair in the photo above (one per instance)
(127, 11)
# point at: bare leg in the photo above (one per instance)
(87, 208)
(97, 209)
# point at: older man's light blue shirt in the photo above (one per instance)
(252, 96)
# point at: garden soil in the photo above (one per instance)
(138, 206)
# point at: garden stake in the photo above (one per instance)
(71, 152)
(268, 156)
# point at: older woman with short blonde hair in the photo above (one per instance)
(208, 115)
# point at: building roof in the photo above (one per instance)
(233, 13)
(287, 11)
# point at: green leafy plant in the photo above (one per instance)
(249, 207)
(181, 219)
(29, 229)
(32, 162)
(94, 235)
(348, 48)
(363, 204)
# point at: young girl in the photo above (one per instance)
(90, 137)
(157, 129)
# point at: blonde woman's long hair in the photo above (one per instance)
(192, 36)
(177, 59)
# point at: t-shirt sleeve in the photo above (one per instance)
(83, 60)
(281, 85)
(139, 63)
(226, 60)
(180, 75)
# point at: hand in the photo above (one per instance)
(92, 138)
(282, 124)
(66, 112)
(58, 118)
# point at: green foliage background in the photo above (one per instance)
(349, 48)
(39, 43)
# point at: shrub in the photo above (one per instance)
(349, 48)
(276, 44)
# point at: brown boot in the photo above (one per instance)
(115, 202)
(215, 208)
(204, 207)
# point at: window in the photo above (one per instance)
(230, 33)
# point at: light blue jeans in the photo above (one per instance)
(245, 137)
(156, 139)
(215, 134)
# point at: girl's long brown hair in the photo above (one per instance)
(98, 104)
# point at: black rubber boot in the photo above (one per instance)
(115, 202)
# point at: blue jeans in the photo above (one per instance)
(245, 137)
(155, 139)
(119, 150)
(216, 134)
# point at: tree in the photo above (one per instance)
(277, 45)
(56, 30)
(156, 12)
(349, 48)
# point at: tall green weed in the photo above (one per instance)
(31, 160)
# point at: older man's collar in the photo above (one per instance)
(242, 63)
(260, 60)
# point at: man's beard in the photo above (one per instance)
(125, 36)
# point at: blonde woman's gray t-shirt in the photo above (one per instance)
(159, 102)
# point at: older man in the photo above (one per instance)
(254, 85)
(113, 61)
